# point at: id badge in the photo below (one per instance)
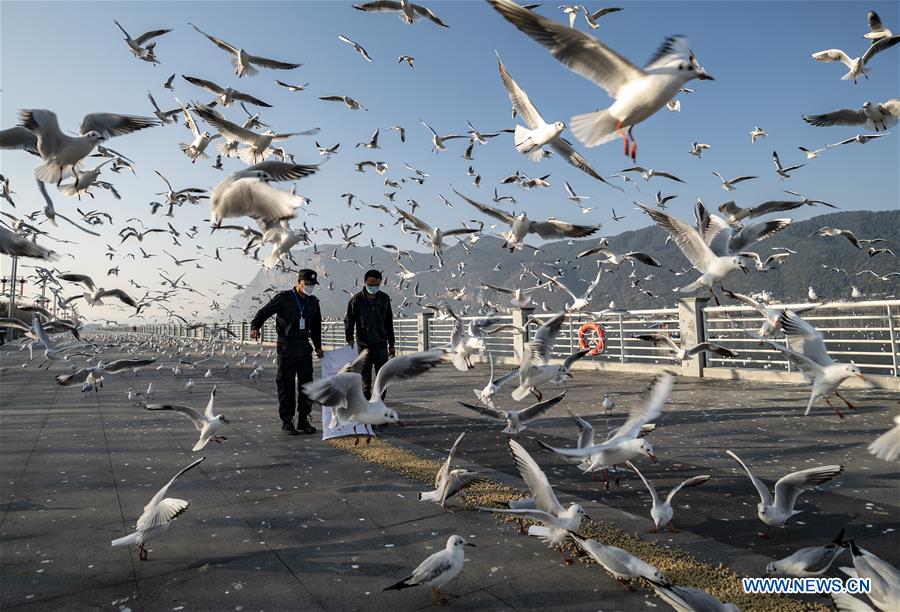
(301, 324)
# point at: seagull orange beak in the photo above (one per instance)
(653, 458)
(861, 377)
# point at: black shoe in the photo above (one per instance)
(288, 429)
(305, 427)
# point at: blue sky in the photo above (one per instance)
(70, 58)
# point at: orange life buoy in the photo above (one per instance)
(600, 341)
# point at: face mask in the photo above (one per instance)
(373, 289)
(309, 289)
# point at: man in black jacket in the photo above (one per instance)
(370, 320)
(298, 322)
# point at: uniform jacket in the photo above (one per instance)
(290, 337)
(371, 322)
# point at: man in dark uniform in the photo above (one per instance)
(298, 322)
(370, 320)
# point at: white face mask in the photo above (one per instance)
(373, 289)
(308, 289)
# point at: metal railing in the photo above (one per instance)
(867, 333)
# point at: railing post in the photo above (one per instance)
(520, 317)
(621, 340)
(692, 331)
(422, 322)
(893, 337)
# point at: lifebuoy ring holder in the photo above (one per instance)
(599, 343)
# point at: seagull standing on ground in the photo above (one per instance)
(437, 570)
(809, 561)
(447, 482)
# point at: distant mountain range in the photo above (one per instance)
(829, 265)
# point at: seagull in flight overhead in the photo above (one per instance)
(226, 95)
(856, 66)
(780, 170)
(638, 92)
(93, 296)
(516, 420)
(138, 45)
(409, 12)
(757, 132)
(683, 354)
(729, 185)
(860, 138)
(243, 61)
(877, 31)
(359, 48)
(873, 116)
(530, 141)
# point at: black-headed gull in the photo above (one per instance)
(409, 12)
(806, 349)
(556, 520)
(196, 149)
(434, 235)
(243, 61)
(884, 577)
(447, 482)
(782, 171)
(520, 225)
(771, 325)
(207, 423)
(621, 564)
(808, 561)
(343, 392)
(535, 368)
(873, 116)
(626, 443)
(579, 302)
(139, 47)
(757, 132)
(258, 145)
(729, 184)
(95, 294)
(437, 570)
(248, 192)
(592, 18)
(887, 445)
(857, 65)
(684, 599)
(683, 354)
(61, 153)
(225, 95)
(877, 31)
(774, 512)
(638, 92)
(661, 511)
(516, 421)
(358, 47)
(617, 259)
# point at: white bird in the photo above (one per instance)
(556, 521)
(860, 138)
(684, 599)
(661, 512)
(617, 259)
(249, 192)
(84, 180)
(638, 93)
(809, 561)
(447, 482)
(812, 153)
(61, 153)
(520, 226)
(608, 404)
(189, 385)
(486, 394)
(856, 66)
(359, 48)
(811, 294)
(94, 294)
(196, 149)
(806, 349)
(157, 516)
(771, 325)
(579, 303)
(409, 12)
(592, 18)
(207, 423)
(51, 350)
(437, 141)
(343, 392)
(729, 184)
(873, 116)
(243, 61)
(437, 570)
(226, 95)
(530, 141)
(535, 368)
(626, 442)
(887, 445)
(516, 421)
(757, 132)
(15, 245)
(713, 267)
(877, 31)
(623, 566)
(780, 170)
(139, 47)
(258, 145)
(884, 578)
(467, 339)
(519, 297)
(434, 235)
(774, 512)
(697, 149)
(683, 354)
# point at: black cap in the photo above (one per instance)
(308, 276)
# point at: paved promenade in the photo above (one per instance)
(279, 523)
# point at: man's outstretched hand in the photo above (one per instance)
(319, 353)
(392, 352)
(254, 334)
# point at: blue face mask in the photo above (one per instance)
(373, 290)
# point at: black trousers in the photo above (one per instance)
(294, 370)
(377, 357)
